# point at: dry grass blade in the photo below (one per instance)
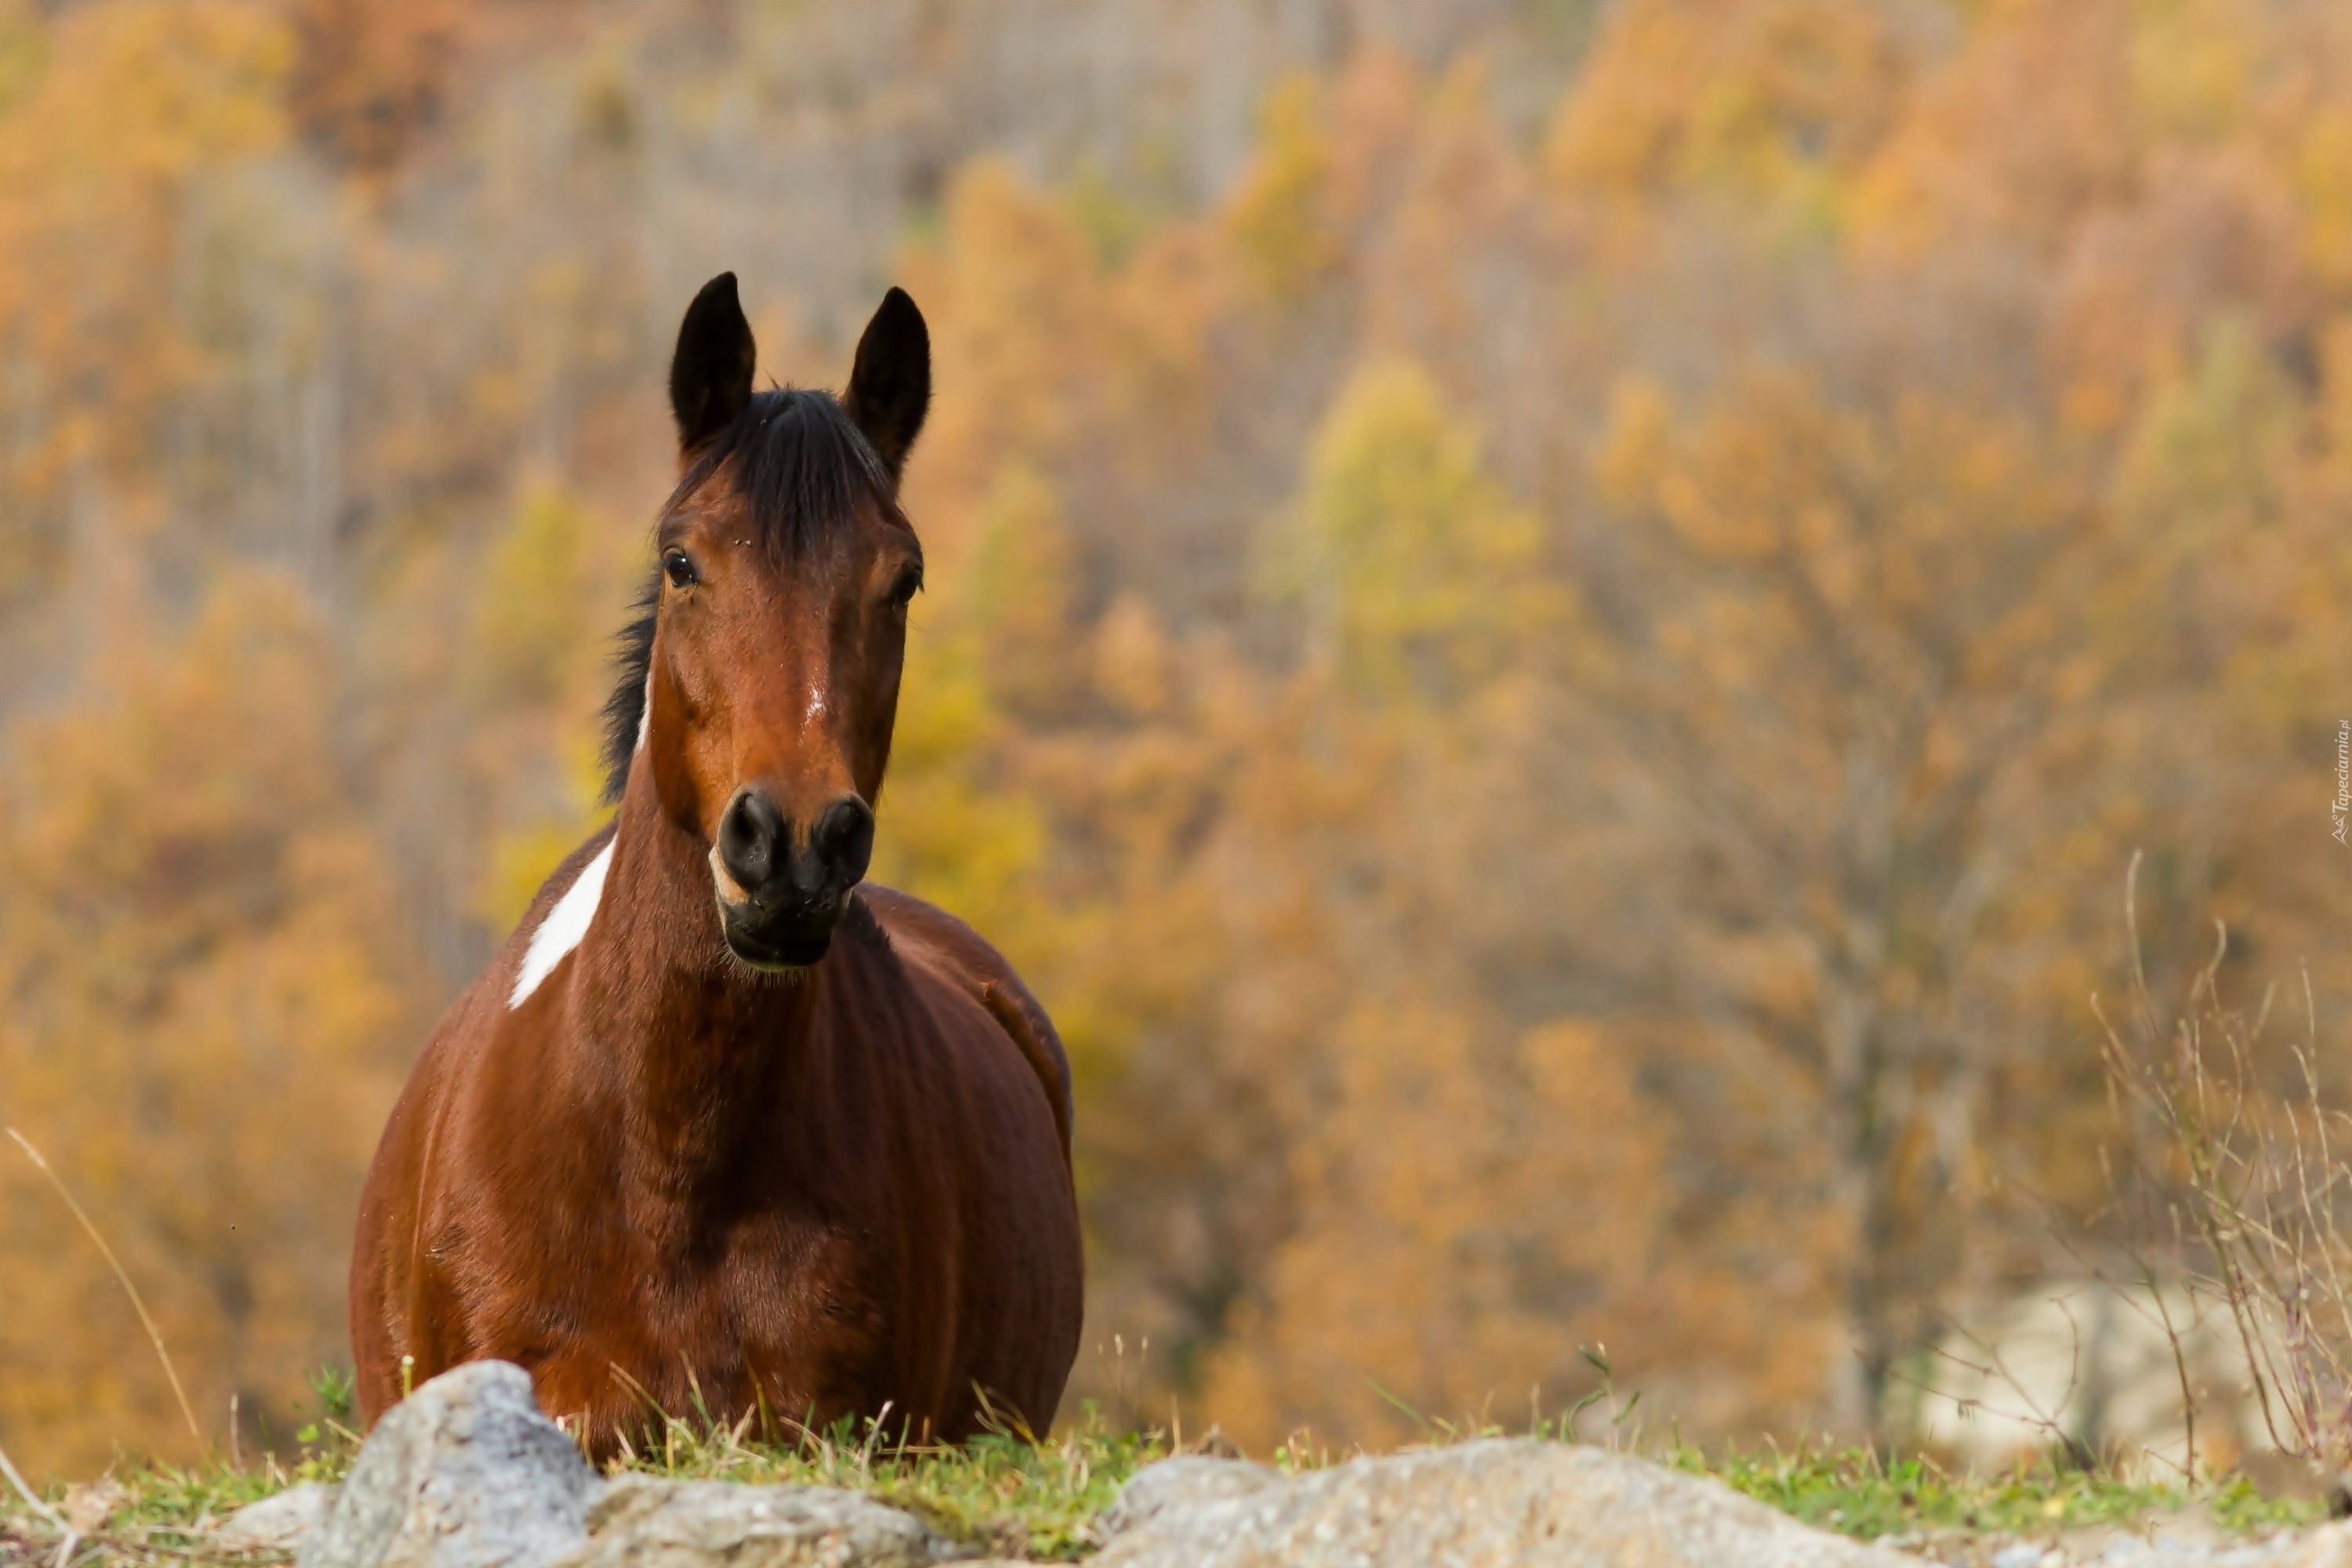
(122, 1277)
(8, 1469)
(2244, 1164)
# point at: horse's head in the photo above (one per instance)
(778, 622)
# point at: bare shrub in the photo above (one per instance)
(2236, 1184)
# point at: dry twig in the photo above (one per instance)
(122, 1275)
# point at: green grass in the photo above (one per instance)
(1858, 1493)
(1013, 1496)
(1009, 1495)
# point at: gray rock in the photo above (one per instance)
(465, 1473)
(1185, 1482)
(1481, 1505)
(276, 1523)
(645, 1523)
(2329, 1546)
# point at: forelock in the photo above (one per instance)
(798, 466)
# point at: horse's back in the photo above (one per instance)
(932, 940)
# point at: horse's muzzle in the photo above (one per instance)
(781, 895)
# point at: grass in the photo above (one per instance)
(1009, 1494)
(1013, 1496)
(1858, 1493)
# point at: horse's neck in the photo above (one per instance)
(691, 1042)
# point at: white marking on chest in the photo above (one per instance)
(565, 924)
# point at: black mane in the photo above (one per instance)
(800, 467)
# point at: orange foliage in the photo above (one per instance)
(369, 75)
(208, 1011)
(1550, 665)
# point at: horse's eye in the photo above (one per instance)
(903, 591)
(679, 568)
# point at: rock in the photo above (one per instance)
(1179, 1484)
(276, 1523)
(645, 1523)
(2328, 1547)
(1481, 1505)
(465, 1473)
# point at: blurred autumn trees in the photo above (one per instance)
(207, 1012)
(1549, 628)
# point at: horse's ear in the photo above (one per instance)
(711, 374)
(890, 387)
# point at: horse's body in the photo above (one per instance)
(721, 1130)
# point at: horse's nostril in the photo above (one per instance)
(843, 843)
(749, 838)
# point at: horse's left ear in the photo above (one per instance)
(890, 388)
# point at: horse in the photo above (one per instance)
(725, 1130)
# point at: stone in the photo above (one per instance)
(2328, 1547)
(464, 1473)
(1175, 1485)
(277, 1523)
(642, 1521)
(1486, 1504)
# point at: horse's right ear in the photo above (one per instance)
(711, 374)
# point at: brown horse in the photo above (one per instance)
(724, 1128)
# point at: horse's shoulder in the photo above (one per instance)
(521, 967)
(925, 935)
(550, 892)
(469, 1030)
(559, 881)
